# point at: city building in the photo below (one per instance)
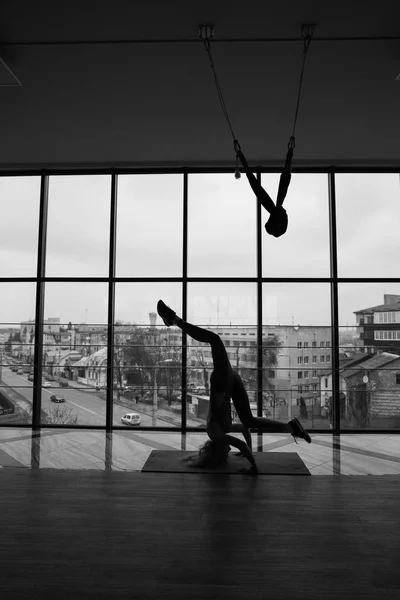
(347, 365)
(91, 369)
(378, 327)
(373, 387)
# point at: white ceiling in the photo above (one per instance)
(155, 104)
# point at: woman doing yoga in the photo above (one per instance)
(226, 384)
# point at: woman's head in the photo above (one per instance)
(214, 454)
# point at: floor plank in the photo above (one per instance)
(98, 534)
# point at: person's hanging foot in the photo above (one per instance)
(166, 313)
(298, 431)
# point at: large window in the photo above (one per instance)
(81, 344)
(229, 309)
(78, 227)
(19, 203)
(149, 219)
(304, 249)
(16, 352)
(221, 227)
(368, 213)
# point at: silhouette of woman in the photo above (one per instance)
(226, 385)
(278, 221)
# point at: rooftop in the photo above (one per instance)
(375, 362)
(388, 307)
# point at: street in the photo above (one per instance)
(87, 406)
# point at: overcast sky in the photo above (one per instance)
(221, 243)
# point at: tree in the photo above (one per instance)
(202, 365)
(121, 356)
(149, 363)
(170, 370)
(303, 409)
(59, 415)
(119, 367)
(7, 345)
(269, 351)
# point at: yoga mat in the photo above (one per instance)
(268, 463)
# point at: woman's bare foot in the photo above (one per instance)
(249, 471)
(247, 453)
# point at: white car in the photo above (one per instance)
(131, 419)
(46, 384)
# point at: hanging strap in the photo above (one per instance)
(286, 175)
(284, 181)
(307, 33)
(236, 144)
(207, 46)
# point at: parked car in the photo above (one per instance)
(46, 384)
(49, 377)
(57, 398)
(128, 389)
(63, 383)
(131, 419)
(201, 391)
(20, 371)
(30, 377)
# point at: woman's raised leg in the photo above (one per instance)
(219, 355)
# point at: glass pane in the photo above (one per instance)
(75, 449)
(78, 227)
(17, 445)
(303, 251)
(149, 225)
(19, 223)
(225, 304)
(221, 226)
(296, 304)
(230, 310)
(368, 212)
(147, 357)
(17, 304)
(370, 355)
(74, 353)
(297, 353)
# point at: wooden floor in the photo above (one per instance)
(104, 534)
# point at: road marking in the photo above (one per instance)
(96, 414)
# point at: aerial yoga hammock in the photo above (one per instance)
(278, 220)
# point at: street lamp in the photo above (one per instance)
(155, 399)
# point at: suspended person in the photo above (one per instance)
(226, 385)
(278, 221)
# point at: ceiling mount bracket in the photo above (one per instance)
(206, 32)
(307, 30)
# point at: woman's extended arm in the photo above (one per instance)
(240, 428)
(216, 434)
